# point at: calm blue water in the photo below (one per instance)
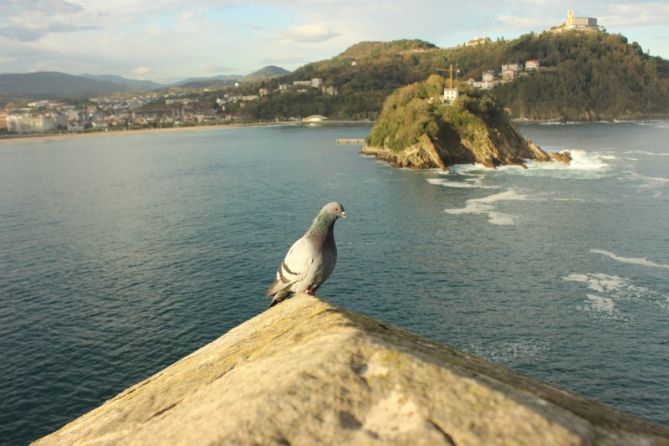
(121, 254)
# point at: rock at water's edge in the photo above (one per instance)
(306, 372)
(417, 129)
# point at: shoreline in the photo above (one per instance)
(8, 139)
(522, 121)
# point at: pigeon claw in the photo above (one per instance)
(309, 291)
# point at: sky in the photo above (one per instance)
(169, 40)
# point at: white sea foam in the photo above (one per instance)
(571, 200)
(509, 353)
(652, 181)
(486, 205)
(584, 165)
(641, 261)
(560, 123)
(601, 306)
(469, 183)
(456, 184)
(598, 282)
(646, 153)
(612, 290)
(471, 169)
(580, 160)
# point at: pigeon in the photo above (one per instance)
(310, 260)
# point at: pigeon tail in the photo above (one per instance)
(280, 297)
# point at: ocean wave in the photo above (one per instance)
(469, 183)
(659, 124)
(651, 181)
(641, 261)
(598, 282)
(561, 123)
(614, 290)
(646, 153)
(602, 307)
(615, 286)
(582, 163)
(509, 353)
(471, 169)
(486, 205)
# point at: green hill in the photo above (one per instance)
(266, 73)
(584, 76)
(590, 77)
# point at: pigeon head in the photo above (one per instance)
(334, 209)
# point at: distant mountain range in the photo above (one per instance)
(47, 84)
(132, 84)
(203, 82)
(263, 74)
(55, 85)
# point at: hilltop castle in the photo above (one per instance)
(574, 23)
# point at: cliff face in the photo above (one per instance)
(416, 130)
(305, 372)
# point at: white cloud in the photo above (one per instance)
(141, 71)
(636, 14)
(31, 20)
(313, 33)
(510, 22)
(216, 68)
(155, 30)
(205, 37)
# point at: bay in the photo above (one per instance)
(121, 254)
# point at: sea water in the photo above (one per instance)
(121, 254)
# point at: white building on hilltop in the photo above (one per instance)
(574, 23)
(450, 95)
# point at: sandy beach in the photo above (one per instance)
(64, 136)
(202, 128)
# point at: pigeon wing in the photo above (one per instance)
(294, 267)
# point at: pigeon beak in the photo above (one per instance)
(343, 214)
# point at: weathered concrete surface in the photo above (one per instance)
(306, 372)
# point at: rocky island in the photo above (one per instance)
(306, 372)
(418, 129)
